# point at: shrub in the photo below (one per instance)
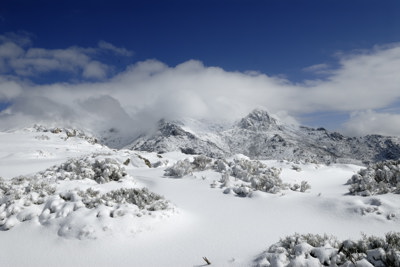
(100, 169)
(379, 178)
(201, 163)
(140, 197)
(250, 175)
(317, 250)
(179, 169)
(24, 198)
(185, 167)
(258, 175)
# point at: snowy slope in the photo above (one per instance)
(200, 221)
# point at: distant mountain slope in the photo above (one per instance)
(261, 136)
(171, 137)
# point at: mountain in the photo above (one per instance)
(172, 137)
(261, 136)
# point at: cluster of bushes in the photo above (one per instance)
(40, 196)
(100, 169)
(256, 175)
(316, 250)
(141, 197)
(17, 195)
(247, 175)
(186, 167)
(379, 178)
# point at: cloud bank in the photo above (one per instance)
(134, 99)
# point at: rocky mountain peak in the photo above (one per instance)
(168, 129)
(258, 120)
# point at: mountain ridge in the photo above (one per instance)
(257, 135)
(261, 136)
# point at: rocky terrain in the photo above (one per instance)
(261, 136)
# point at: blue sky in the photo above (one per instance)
(270, 36)
(297, 44)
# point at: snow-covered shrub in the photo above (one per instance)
(257, 174)
(268, 181)
(74, 211)
(179, 169)
(302, 187)
(296, 168)
(100, 169)
(201, 163)
(225, 180)
(249, 175)
(317, 250)
(185, 167)
(17, 195)
(242, 191)
(243, 169)
(379, 178)
(220, 165)
(141, 197)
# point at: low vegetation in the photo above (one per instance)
(240, 175)
(324, 250)
(379, 178)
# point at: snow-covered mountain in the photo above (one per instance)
(261, 136)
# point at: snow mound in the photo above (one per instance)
(317, 250)
(57, 198)
(379, 178)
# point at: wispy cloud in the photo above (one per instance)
(18, 58)
(317, 68)
(369, 121)
(117, 50)
(147, 91)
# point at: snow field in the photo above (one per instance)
(200, 221)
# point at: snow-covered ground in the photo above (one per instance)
(196, 218)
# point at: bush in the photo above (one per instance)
(140, 197)
(250, 175)
(185, 167)
(24, 198)
(380, 178)
(179, 169)
(317, 250)
(98, 168)
(258, 175)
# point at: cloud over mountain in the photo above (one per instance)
(149, 90)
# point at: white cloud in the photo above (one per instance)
(150, 90)
(21, 38)
(9, 89)
(317, 68)
(367, 80)
(95, 70)
(372, 122)
(117, 50)
(10, 50)
(16, 57)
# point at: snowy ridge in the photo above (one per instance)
(261, 136)
(171, 137)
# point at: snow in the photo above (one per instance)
(200, 221)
